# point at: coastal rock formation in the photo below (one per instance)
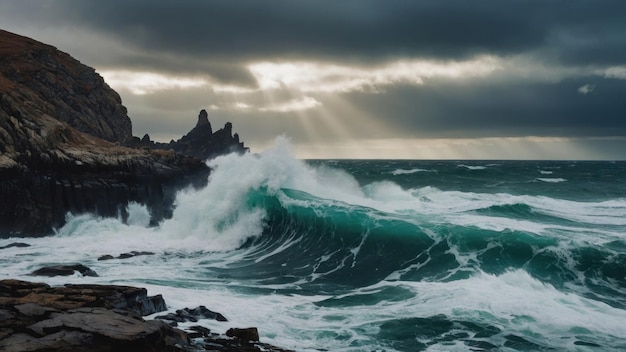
(125, 255)
(132, 299)
(201, 142)
(66, 145)
(64, 270)
(37, 317)
(245, 335)
(15, 244)
(184, 315)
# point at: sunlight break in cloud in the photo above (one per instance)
(304, 103)
(142, 83)
(242, 106)
(329, 78)
(529, 147)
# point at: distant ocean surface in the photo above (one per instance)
(377, 255)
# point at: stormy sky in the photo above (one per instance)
(483, 79)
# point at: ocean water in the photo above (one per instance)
(376, 255)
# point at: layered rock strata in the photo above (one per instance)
(66, 145)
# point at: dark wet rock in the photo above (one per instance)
(125, 255)
(187, 314)
(94, 329)
(128, 298)
(245, 335)
(16, 244)
(33, 310)
(64, 270)
(105, 325)
(197, 331)
(60, 341)
(132, 299)
(152, 304)
(37, 317)
(18, 288)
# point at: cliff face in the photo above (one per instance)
(62, 136)
(37, 79)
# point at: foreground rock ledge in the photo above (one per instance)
(38, 317)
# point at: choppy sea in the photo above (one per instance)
(376, 255)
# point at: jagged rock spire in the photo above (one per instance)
(203, 120)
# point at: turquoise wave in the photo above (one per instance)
(320, 245)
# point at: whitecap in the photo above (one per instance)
(472, 167)
(409, 171)
(551, 180)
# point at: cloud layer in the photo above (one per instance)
(356, 69)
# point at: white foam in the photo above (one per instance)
(551, 179)
(513, 302)
(546, 172)
(472, 167)
(138, 214)
(409, 171)
(387, 191)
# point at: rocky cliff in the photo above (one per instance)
(38, 79)
(66, 144)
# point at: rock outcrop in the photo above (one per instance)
(64, 270)
(201, 142)
(185, 315)
(132, 299)
(66, 145)
(130, 254)
(37, 317)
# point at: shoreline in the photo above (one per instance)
(35, 316)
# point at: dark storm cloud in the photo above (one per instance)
(249, 30)
(573, 31)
